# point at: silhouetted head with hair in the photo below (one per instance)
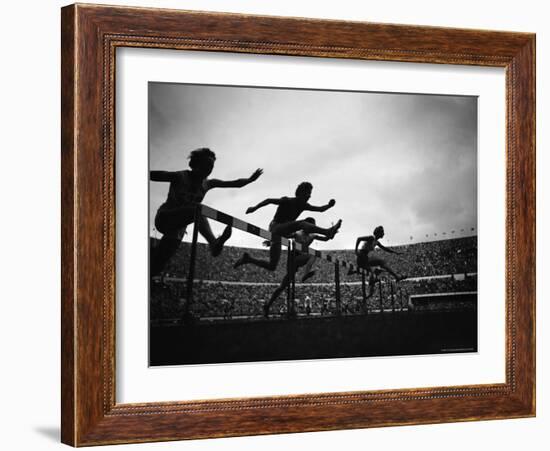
(310, 220)
(303, 191)
(201, 161)
(378, 232)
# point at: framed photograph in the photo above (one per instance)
(279, 225)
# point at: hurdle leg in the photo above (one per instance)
(381, 295)
(392, 294)
(337, 286)
(290, 275)
(192, 259)
(364, 289)
(293, 277)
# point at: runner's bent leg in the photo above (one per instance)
(171, 223)
(287, 228)
(375, 261)
(271, 264)
(276, 294)
(216, 244)
(160, 256)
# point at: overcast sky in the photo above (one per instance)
(405, 161)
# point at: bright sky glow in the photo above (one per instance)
(406, 161)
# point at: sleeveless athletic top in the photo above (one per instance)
(368, 245)
(303, 238)
(184, 191)
(289, 209)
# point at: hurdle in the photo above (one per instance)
(381, 295)
(392, 297)
(191, 275)
(291, 288)
(290, 244)
(237, 223)
(396, 296)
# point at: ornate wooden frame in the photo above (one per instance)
(90, 413)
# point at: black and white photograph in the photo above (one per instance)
(290, 224)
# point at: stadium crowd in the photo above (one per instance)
(229, 300)
(224, 292)
(452, 256)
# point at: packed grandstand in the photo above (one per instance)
(220, 291)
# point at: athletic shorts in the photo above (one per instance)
(301, 259)
(273, 226)
(363, 260)
(170, 225)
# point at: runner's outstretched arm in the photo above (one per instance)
(238, 183)
(263, 203)
(384, 248)
(321, 208)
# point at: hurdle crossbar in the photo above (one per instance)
(237, 223)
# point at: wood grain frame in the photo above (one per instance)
(90, 36)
